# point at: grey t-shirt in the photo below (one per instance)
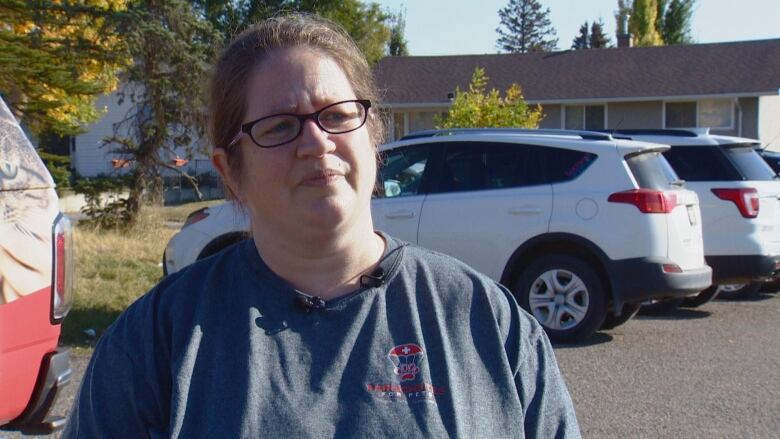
(225, 348)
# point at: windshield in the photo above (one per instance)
(749, 163)
(652, 171)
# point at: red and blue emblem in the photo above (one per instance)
(406, 358)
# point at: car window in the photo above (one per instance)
(564, 164)
(749, 163)
(701, 163)
(772, 159)
(471, 166)
(651, 170)
(401, 171)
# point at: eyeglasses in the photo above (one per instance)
(278, 129)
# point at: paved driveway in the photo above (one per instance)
(708, 372)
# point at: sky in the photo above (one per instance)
(456, 27)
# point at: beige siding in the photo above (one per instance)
(552, 117)
(90, 158)
(635, 115)
(769, 121)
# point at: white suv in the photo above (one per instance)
(740, 203)
(580, 226)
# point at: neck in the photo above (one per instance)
(327, 265)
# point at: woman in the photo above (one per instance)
(319, 326)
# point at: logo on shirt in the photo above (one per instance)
(406, 358)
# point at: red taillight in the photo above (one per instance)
(746, 199)
(62, 284)
(646, 200)
(671, 268)
(196, 216)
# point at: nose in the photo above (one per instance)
(314, 142)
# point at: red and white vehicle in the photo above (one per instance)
(36, 284)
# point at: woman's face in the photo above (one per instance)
(319, 180)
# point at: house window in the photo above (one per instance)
(716, 113)
(707, 113)
(421, 120)
(584, 117)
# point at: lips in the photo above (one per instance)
(321, 178)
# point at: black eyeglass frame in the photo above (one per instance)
(302, 118)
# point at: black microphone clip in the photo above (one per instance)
(309, 303)
(373, 280)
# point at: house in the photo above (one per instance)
(732, 88)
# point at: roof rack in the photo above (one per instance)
(587, 135)
(658, 132)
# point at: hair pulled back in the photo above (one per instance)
(228, 97)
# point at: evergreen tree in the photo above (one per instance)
(171, 48)
(479, 108)
(397, 44)
(581, 41)
(56, 57)
(367, 24)
(642, 23)
(598, 39)
(677, 22)
(525, 27)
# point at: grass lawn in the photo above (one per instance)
(113, 269)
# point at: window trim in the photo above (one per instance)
(604, 105)
(697, 115)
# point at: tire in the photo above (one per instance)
(660, 307)
(739, 291)
(771, 286)
(700, 299)
(629, 310)
(565, 295)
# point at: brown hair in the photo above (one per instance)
(228, 85)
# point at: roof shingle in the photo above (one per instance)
(746, 67)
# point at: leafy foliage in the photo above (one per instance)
(56, 57)
(171, 48)
(367, 24)
(598, 39)
(677, 22)
(581, 41)
(526, 27)
(59, 168)
(642, 23)
(479, 108)
(658, 22)
(104, 207)
(397, 44)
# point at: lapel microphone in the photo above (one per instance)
(309, 303)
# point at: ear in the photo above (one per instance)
(232, 182)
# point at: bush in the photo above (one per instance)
(59, 168)
(109, 214)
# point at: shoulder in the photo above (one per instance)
(177, 298)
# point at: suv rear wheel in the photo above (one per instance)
(565, 295)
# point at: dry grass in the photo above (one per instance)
(179, 213)
(113, 269)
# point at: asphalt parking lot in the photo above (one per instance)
(713, 371)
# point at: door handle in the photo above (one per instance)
(525, 210)
(400, 214)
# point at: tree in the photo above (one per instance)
(368, 25)
(677, 22)
(397, 44)
(581, 41)
(671, 21)
(477, 108)
(171, 48)
(526, 27)
(598, 39)
(642, 23)
(56, 57)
